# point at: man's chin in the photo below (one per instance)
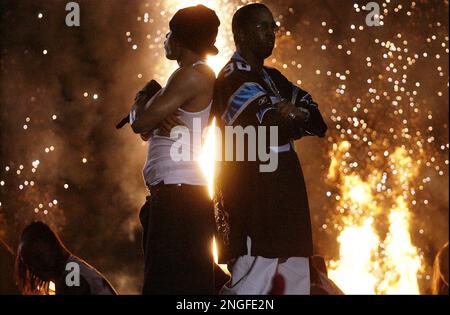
(266, 53)
(170, 56)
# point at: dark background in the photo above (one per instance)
(97, 215)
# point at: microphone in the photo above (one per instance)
(150, 90)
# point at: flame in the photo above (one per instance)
(336, 156)
(368, 264)
(404, 262)
(207, 161)
(207, 157)
(359, 192)
(51, 288)
(215, 251)
(354, 271)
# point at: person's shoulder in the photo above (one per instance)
(70, 285)
(274, 72)
(188, 78)
(278, 76)
(236, 70)
(204, 72)
(190, 74)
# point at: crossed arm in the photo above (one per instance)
(293, 122)
(181, 87)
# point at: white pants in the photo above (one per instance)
(252, 275)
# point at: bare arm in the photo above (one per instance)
(183, 86)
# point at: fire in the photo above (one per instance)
(359, 192)
(51, 288)
(368, 262)
(207, 161)
(404, 262)
(215, 251)
(208, 157)
(354, 271)
(336, 156)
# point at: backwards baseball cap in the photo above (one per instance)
(196, 29)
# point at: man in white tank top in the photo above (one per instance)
(178, 217)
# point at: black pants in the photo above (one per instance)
(178, 223)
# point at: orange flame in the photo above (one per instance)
(366, 264)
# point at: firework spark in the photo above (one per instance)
(378, 188)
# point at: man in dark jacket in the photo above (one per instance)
(264, 215)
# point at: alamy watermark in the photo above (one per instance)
(73, 276)
(373, 17)
(241, 144)
(73, 17)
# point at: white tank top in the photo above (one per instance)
(161, 167)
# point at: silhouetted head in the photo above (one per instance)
(254, 30)
(192, 28)
(40, 257)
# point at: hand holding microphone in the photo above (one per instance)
(142, 97)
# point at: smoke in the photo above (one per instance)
(97, 213)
